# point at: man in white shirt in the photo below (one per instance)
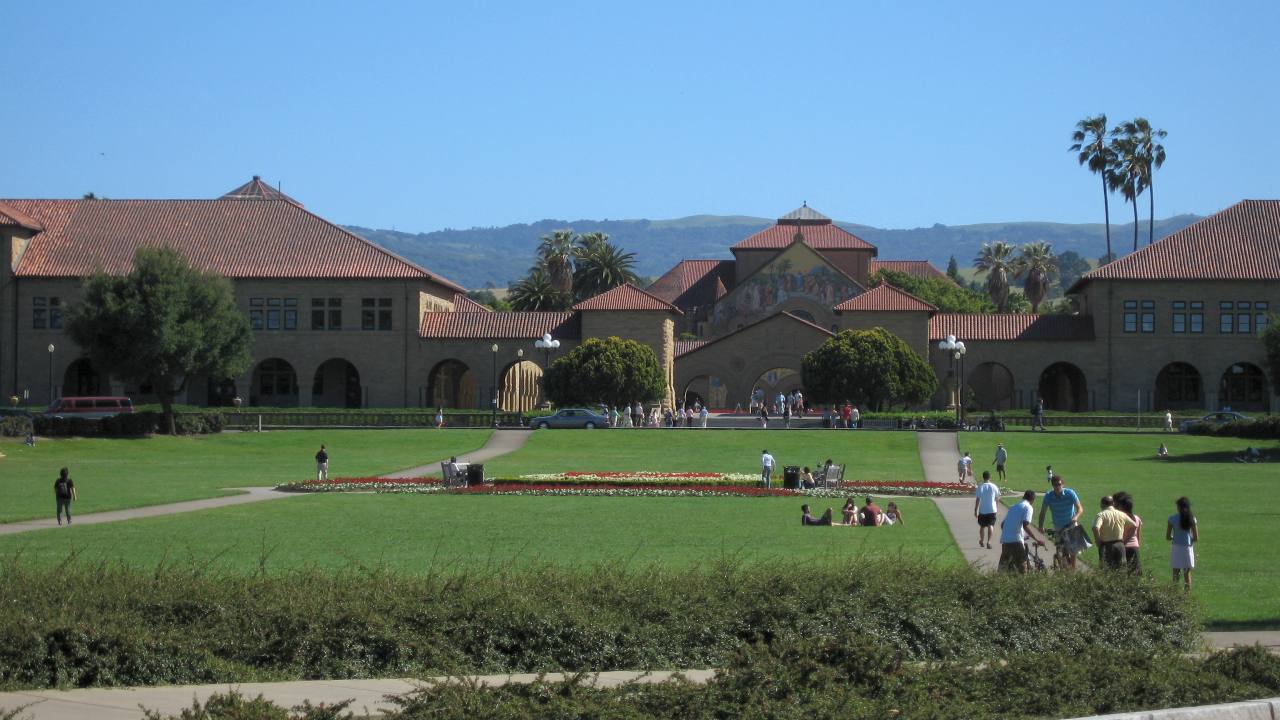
(767, 466)
(1014, 531)
(1168, 421)
(963, 467)
(986, 504)
(853, 417)
(702, 415)
(1001, 456)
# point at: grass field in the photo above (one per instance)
(1235, 576)
(114, 474)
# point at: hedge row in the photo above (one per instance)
(15, 426)
(108, 625)
(1267, 428)
(129, 424)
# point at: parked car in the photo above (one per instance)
(1217, 418)
(16, 412)
(571, 418)
(90, 408)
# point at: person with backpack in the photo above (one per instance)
(64, 491)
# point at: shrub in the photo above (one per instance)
(15, 426)
(129, 424)
(1261, 429)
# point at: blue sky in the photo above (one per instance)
(433, 115)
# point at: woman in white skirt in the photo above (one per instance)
(1185, 533)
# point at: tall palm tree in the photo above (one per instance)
(1037, 263)
(601, 266)
(995, 259)
(1129, 176)
(1152, 152)
(1091, 142)
(555, 256)
(535, 292)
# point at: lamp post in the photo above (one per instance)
(494, 390)
(50, 373)
(955, 349)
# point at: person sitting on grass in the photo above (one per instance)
(850, 512)
(871, 514)
(806, 479)
(808, 519)
(1163, 451)
(893, 516)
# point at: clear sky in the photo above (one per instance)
(430, 115)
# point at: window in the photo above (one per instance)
(1260, 322)
(1242, 305)
(1261, 305)
(367, 319)
(1224, 305)
(55, 313)
(273, 319)
(1179, 322)
(255, 319)
(290, 319)
(368, 302)
(1148, 304)
(1197, 305)
(1131, 322)
(317, 319)
(384, 319)
(106, 403)
(1148, 322)
(291, 302)
(1179, 304)
(335, 315)
(384, 302)
(46, 313)
(1197, 322)
(1130, 304)
(1226, 321)
(39, 319)
(1242, 322)
(273, 302)
(255, 302)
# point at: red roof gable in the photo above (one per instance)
(918, 268)
(688, 346)
(462, 303)
(501, 325)
(10, 216)
(239, 239)
(818, 237)
(626, 297)
(885, 297)
(1239, 243)
(1010, 326)
(694, 282)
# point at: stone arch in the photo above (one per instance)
(1243, 388)
(1179, 387)
(1063, 387)
(336, 384)
(992, 385)
(521, 387)
(275, 384)
(83, 379)
(709, 390)
(777, 380)
(451, 384)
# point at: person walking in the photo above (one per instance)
(1184, 532)
(1014, 532)
(786, 416)
(702, 416)
(1001, 456)
(1132, 548)
(764, 418)
(1066, 509)
(767, 465)
(854, 417)
(1037, 415)
(1112, 529)
(986, 504)
(963, 466)
(800, 403)
(322, 464)
(845, 413)
(439, 418)
(64, 491)
(1168, 421)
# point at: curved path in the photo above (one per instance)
(500, 442)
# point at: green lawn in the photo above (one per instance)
(111, 474)
(409, 532)
(1235, 575)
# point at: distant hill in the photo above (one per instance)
(472, 258)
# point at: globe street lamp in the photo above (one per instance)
(955, 350)
(50, 373)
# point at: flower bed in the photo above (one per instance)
(620, 487)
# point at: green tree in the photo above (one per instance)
(610, 371)
(1270, 336)
(536, 293)
(162, 324)
(1147, 140)
(953, 269)
(1090, 141)
(942, 294)
(1071, 267)
(601, 266)
(1130, 175)
(555, 255)
(1035, 263)
(489, 300)
(994, 259)
(873, 368)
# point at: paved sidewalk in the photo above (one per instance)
(500, 442)
(247, 495)
(368, 695)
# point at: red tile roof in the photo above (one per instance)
(1239, 243)
(688, 346)
(11, 216)
(626, 297)
(1010, 326)
(462, 303)
(818, 237)
(694, 282)
(918, 268)
(501, 325)
(255, 189)
(237, 238)
(885, 297)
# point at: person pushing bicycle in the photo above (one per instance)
(1067, 509)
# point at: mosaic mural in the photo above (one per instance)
(797, 273)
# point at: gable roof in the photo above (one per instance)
(885, 297)
(237, 238)
(694, 282)
(780, 316)
(805, 215)
(917, 268)
(626, 297)
(688, 346)
(818, 230)
(255, 189)
(462, 303)
(501, 325)
(1239, 243)
(830, 265)
(1010, 326)
(11, 216)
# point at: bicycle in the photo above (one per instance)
(1034, 562)
(1061, 551)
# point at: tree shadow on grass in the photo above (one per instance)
(1202, 457)
(1259, 625)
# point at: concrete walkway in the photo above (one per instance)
(500, 442)
(369, 696)
(247, 495)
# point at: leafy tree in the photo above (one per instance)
(1130, 175)
(610, 371)
(1035, 263)
(1071, 267)
(1068, 305)
(555, 256)
(489, 300)
(953, 269)
(1108, 258)
(994, 259)
(161, 325)
(873, 368)
(601, 266)
(1148, 147)
(942, 294)
(1090, 141)
(1270, 336)
(535, 292)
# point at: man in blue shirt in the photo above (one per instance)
(1066, 508)
(1014, 531)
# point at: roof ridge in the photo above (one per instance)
(626, 287)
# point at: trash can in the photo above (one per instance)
(791, 477)
(475, 475)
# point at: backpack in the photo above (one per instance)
(61, 489)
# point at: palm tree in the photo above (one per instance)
(1036, 262)
(536, 292)
(601, 266)
(994, 259)
(1152, 153)
(1129, 176)
(555, 256)
(1091, 142)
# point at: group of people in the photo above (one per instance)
(869, 515)
(808, 478)
(791, 403)
(694, 414)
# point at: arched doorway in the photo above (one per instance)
(1062, 385)
(1179, 387)
(220, 393)
(778, 380)
(337, 385)
(521, 386)
(708, 390)
(1243, 388)
(992, 385)
(275, 384)
(451, 385)
(81, 379)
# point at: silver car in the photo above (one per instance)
(571, 418)
(1217, 418)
